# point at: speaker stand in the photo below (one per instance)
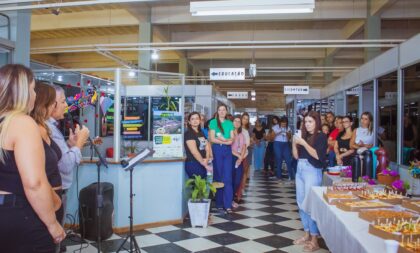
(134, 247)
(99, 205)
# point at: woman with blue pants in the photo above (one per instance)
(258, 136)
(221, 136)
(282, 148)
(309, 148)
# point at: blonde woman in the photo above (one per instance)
(27, 214)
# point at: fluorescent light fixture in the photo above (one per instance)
(60, 78)
(247, 7)
(253, 98)
(253, 93)
(155, 55)
(131, 74)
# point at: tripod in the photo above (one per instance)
(129, 165)
(99, 197)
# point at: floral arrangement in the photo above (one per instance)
(389, 172)
(347, 172)
(400, 185)
(414, 170)
(368, 180)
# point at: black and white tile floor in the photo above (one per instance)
(267, 222)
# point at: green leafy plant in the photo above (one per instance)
(131, 146)
(200, 188)
(170, 103)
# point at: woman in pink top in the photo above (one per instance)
(239, 154)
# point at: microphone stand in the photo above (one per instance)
(99, 197)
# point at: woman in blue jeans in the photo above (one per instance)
(221, 137)
(309, 148)
(282, 148)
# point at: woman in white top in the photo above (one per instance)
(363, 136)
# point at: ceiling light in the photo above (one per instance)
(253, 98)
(155, 55)
(253, 93)
(60, 78)
(244, 7)
(131, 74)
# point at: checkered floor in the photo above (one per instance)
(267, 221)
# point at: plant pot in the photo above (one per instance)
(387, 179)
(415, 186)
(131, 155)
(199, 212)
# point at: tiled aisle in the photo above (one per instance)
(266, 222)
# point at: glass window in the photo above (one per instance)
(411, 127)
(387, 114)
(367, 97)
(353, 104)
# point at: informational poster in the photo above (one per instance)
(167, 134)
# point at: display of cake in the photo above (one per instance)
(403, 227)
(383, 214)
(354, 206)
(333, 197)
(390, 197)
(348, 186)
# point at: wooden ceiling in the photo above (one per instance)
(172, 22)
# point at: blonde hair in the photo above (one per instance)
(14, 97)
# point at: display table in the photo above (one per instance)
(343, 232)
(158, 185)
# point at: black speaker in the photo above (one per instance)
(87, 211)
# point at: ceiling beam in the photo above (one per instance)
(378, 6)
(350, 29)
(85, 19)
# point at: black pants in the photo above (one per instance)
(21, 230)
(269, 157)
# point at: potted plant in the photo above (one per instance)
(400, 186)
(388, 176)
(170, 104)
(131, 148)
(414, 171)
(199, 202)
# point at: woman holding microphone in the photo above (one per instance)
(309, 148)
(221, 137)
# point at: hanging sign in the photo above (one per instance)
(227, 74)
(296, 90)
(237, 94)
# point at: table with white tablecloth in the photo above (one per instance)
(343, 232)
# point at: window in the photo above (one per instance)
(353, 104)
(387, 114)
(411, 127)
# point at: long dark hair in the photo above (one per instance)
(351, 127)
(305, 134)
(219, 124)
(188, 123)
(240, 119)
(275, 118)
(370, 117)
(45, 97)
(247, 124)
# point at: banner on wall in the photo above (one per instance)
(167, 134)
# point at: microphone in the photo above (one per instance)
(90, 141)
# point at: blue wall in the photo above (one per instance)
(158, 188)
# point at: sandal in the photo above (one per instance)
(301, 241)
(310, 247)
(234, 205)
(229, 211)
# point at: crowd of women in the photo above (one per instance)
(230, 144)
(32, 182)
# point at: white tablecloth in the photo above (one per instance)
(343, 232)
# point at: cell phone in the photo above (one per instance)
(298, 133)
